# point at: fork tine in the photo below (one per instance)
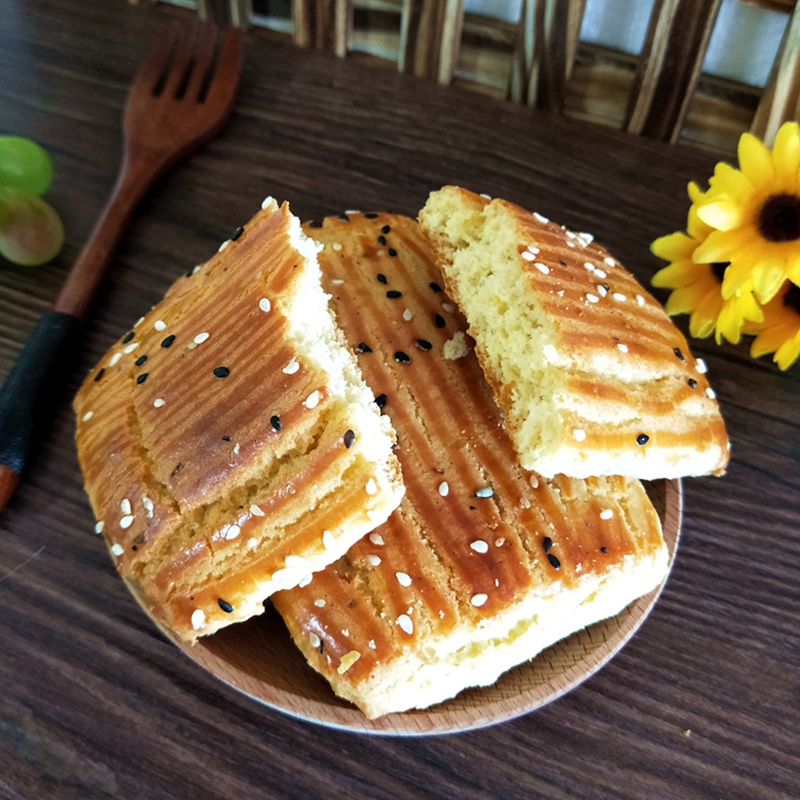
(181, 62)
(203, 59)
(152, 69)
(226, 75)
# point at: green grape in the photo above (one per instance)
(31, 232)
(24, 165)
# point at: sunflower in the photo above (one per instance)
(779, 331)
(697, 287)
(754, 214)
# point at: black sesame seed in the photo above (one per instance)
(678, 353)
(382, 241)
(423, 344)
(438, 320)
(139, 361)
(547, 543)
(100, 374)
(275, 421)
(603, 549)
(168, 341)
(435, 286)
(392, 252)
(237, 233)
(221, 372)
(642, 438)
(315, 224)
(380, 400)
(563, 263)
(127, 337)
(141, 378)
(402, 358)
(381, 278)
(385, 229)
(321, 647)
(363, 347)
(393, 294)
(553, 561)
(692, 383)
(349, 438)
(371, 216)
(178, 468)
(225, 606)
(344, 218)
(226, 438)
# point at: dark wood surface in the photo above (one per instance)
(95, 703)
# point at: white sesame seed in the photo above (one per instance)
(159, 325)
(589, 266)
(197, 269)
(479, 546)
(701, 366)
(198, 618)
(328, 541)
(125, 506)
(592, 298)
(314, 640)
(291, 367)
(236, 449)
(579, 434)
(126, 521)
(606, 513)
(485, 491)
(283, 575)
(336, 246)
(313, 399)
(158, 402)
(380, 252)
(479, 599)
(268, 201)
(586, 238)
(534, 480)
(543, 268)
(608, 260)
(256, 511)
(444, 488)
(117, 550)
(148, 506)
(319, 603)
(486, 196)
(540, 218)
(448, 308)
(376, 539)
(619, 297)
(336, 281)
(405, 623)
(295, 562)
(500, 542)
(138, 322)
(711, 393)
(201, 337)
(403, 578)
(224, 245)
(231, 531)
(114, 359)
(408, 315)
(264, 304)
(306, 580)
(640, 299)
(528, 255)
(623, 348)
(600, 273)
(533, 249)
(601, 290)
(131, 347)
(252, 543)
(373, 560)
(371, 644)
(88, 415)
(98, 528)
(371, 486)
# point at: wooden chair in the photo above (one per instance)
(540, 60)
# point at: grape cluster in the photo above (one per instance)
(31, 232)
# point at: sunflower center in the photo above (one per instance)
(792, 298)
(718, 269)
(779, 218)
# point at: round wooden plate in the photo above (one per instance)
(258, 658)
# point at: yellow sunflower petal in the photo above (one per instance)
(737, 276)
(755, 161)
(694, 191)
(793, 269)
(729, 324)
(704, 316)
(768, 277)
(786, 154)
(681, 273)
(683, 300)
(730, 181)
(725, 212)
(722, 246)
(673, 246)
(788, 352)
(750, 308)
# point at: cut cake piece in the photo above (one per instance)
(483, 564)
(592, 375)
(228, 443)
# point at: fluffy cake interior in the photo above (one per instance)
(229, 444)
(593, 377)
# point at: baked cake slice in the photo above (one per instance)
(228, 443)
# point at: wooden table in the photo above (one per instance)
(703, 703)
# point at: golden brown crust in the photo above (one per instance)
(476, 537)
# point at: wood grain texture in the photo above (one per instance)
(701, 703)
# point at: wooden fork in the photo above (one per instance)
(178, 101)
